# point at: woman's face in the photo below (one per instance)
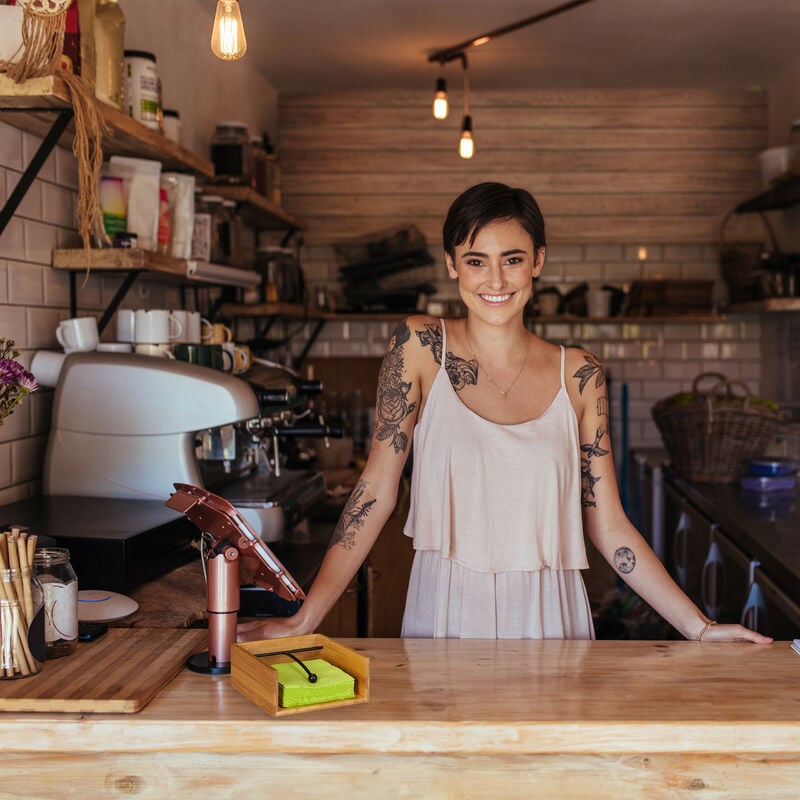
(495, 272)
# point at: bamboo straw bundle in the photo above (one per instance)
(18, 605)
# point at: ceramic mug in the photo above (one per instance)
(191, 324)
(46, 367)
(598, 302)
(78, 334)
(155, 326)
(217, 333)
(204, 355)
(126, 318)
(240, 357)
(115, 347)
(152, 349)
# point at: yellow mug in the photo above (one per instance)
(241, 357)
(216, 333)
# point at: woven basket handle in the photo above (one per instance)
(773, 241)
(722, 388)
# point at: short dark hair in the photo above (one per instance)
(485, 203)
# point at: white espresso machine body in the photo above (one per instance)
(124, 425)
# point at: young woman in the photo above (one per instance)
(512, 461)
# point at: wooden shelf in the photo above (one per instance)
(116, 259)
(126, 136)
(257, 210)
(769, 305)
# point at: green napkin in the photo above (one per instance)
(294, 688)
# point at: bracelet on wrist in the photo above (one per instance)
(704, 630)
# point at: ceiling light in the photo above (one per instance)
(466, 144)
(227, 37)
(441, 107)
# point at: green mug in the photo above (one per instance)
(205, 355)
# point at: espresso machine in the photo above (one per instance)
(131, 426)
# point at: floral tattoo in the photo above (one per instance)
(353, 518)
(624, 560)
(460, 371)
(588, 480)
(592, 368)
(393, 404)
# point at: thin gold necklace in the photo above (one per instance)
(504, 394)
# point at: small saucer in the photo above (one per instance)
(97, 605)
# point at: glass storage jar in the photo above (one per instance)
(60, 586)
(21, 623)
(230, 152)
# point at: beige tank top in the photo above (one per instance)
(497, 498)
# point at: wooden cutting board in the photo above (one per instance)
(118, 673)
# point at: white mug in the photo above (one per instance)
(46, 367)
(78, 334)
(191, 325)
(115, 347)
(151, 349)
(155, 326)
(126, 318)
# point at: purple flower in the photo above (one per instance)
(10, 371)
(27, 381)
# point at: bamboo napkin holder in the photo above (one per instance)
(253, 675)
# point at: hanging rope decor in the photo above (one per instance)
(43, 24)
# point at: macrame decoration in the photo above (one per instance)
(43, 24)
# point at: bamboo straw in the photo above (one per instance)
(15, 593)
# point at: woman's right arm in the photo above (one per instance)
(374, 495)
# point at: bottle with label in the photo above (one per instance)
(60, 587)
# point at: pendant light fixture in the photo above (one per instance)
(441, 105)
(466, 145)
(227, 36)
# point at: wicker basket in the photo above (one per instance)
(709, 433)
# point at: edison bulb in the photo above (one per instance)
(441, 107)
(227, 37)
(466, 145)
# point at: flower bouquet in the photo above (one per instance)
(15, 380)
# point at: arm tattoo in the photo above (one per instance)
(592, 368)
(393, 405)
(460, 371)
(353, 518)
(624, 560)
(588, 481)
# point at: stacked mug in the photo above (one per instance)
(147, 331)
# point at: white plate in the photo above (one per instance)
(97, 605)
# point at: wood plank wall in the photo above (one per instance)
(625, 166)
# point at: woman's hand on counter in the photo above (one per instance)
(734, 633)
(270, 628)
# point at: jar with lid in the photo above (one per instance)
(21, 622)
(60, 587)
(230, 152)
(143, 88)
(205, 234)
(231, 234)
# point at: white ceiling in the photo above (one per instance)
(336, 45)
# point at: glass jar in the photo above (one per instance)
(60, 586)
(22, 648)
(230, 152)
(205, 234)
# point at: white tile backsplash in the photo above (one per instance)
(10, 147)
(40, 241)
(25, 284)
(12, 241)
(30, 145)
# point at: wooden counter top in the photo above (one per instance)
(710, 711)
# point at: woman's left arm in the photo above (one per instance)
(606, 523)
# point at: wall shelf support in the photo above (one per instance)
(40, 156)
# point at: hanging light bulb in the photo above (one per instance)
(466, 144)
(227, 37)
(441, 107)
